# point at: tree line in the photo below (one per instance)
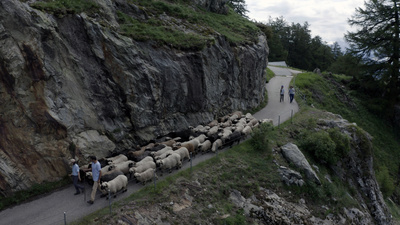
(372, 58)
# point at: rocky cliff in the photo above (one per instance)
(73, 86)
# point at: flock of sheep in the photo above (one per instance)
(168, 153)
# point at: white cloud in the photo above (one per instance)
(327, 18)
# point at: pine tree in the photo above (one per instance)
(378, 40)
(239, 6)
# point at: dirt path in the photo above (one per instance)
(50, 209)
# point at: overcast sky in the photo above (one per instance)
(326, 18)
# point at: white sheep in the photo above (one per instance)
(201, 138)
(173, 160)
(123, 166)
(183, 152)
(213, 130)
(164, 155)
(145, 176)
(267, 121)
(249, 117)
(225, 133)
(117, 159)
(213, 123)
(142, 167)
(205, 146)
(105, 169)
(159, 152)
(144, 160)
(247, 130)
(239, 127)
(252, 122)
(226, 124)
(115, 185)
(216, 145)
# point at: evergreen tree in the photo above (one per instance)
(378, 40)
(239, 6)
(336, 50)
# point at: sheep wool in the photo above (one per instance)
(145, 175)
(115, 185)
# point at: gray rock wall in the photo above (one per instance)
(67, 82)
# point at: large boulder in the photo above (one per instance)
(293, 155)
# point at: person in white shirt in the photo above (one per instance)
(75, 177)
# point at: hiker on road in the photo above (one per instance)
(291, 93)
(282, 94)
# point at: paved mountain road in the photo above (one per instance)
(275, 110)
(49, 209)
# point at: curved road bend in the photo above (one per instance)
(275, 110)
(49, 209)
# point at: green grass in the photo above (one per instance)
(270, 74)
(190, 28)
(63, 7)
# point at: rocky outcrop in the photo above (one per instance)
(293, 155)
(72, 86)
(357, 168)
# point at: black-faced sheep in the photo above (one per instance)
(115, 185)
(145, 176)
(124, 166)
(116, 159)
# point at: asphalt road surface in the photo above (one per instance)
(62, 206)
(275, 110)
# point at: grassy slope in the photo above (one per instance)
(328, 92)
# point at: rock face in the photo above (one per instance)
(71, 87)
(293, 155)
(357, 170)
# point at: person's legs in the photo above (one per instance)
(291, 97)
(75, 181)
(94, 190)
